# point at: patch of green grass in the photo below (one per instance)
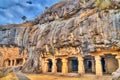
(94, 40)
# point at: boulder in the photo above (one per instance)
(116, 75)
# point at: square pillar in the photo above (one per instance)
(64, 65)
(6, 63)
(23, 61)
(11, 62)
(93, 66)
(118, 58)
(54, 68)
(98, 66)
(81, 69)
(69, 66)
(42, 65)
(45, 67)
(14, 62)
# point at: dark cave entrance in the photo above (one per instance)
(59, 65)
(8, 62)
(89, 64)
(103, 65)
(19, 61)
(12, 62)
(49, 65)
(109, 63)
(73, 64)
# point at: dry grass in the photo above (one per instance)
(10, 76)
(53, 77)
(50, 77)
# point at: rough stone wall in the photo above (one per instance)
(79, 24)
(85, 27)
(10, 53)
(98, 30)
(111, 65)
(12, 36)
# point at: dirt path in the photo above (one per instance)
(70, 77)
(20, 75)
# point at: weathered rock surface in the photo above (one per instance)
(116, 74)
(4, 71)
(68, 23)
(7, 74)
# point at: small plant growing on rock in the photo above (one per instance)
(94, 40)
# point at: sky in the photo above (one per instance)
(12, 11)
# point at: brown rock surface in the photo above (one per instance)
(68, 23)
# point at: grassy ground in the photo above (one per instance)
(56, 77)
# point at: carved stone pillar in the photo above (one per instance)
(81, 69)
(6, 63)
(93, 66)
(54, 68)
(14, 62)
(106, 67)
(11, 62)
(98, 66)
(45, 67)
(69, 65)
(23, 61)
(64, 65)
(118, 58)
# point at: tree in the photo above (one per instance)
(24, 17)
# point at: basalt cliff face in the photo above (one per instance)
(86, 25)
